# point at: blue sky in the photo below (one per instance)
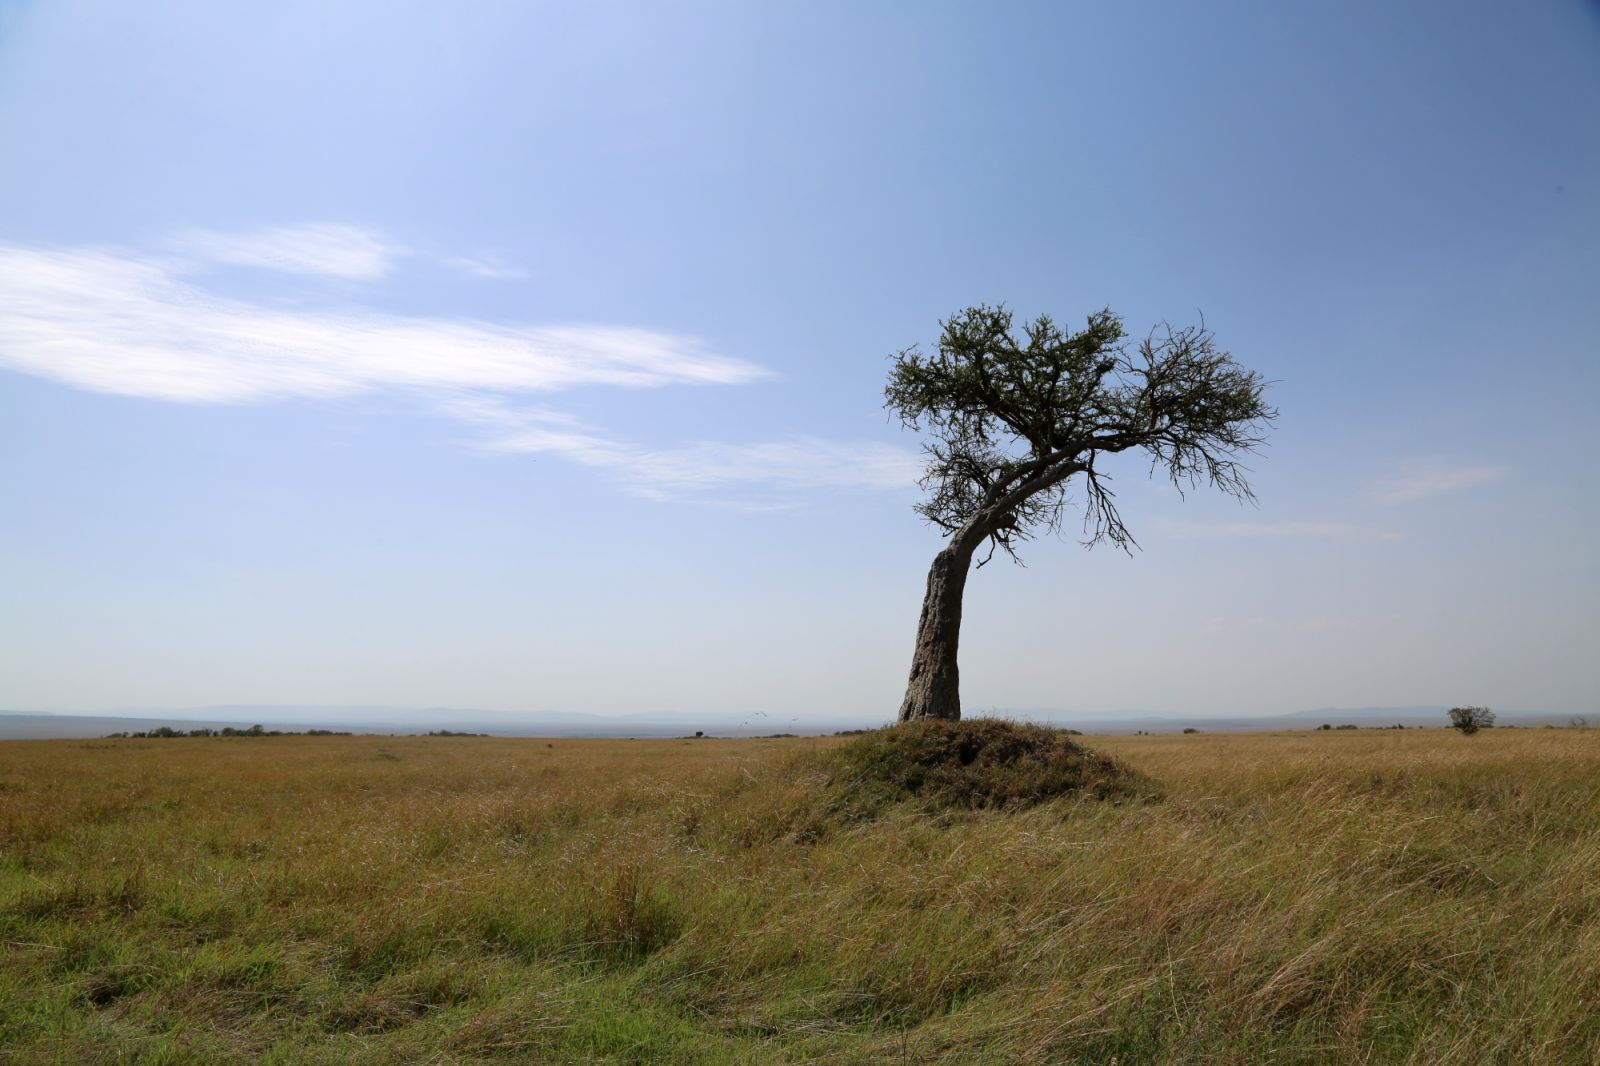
(523, 356)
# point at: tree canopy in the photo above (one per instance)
(1014, 415)
(1471, 719)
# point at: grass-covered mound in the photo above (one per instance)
(976, 763)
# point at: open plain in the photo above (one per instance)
(1353, 896)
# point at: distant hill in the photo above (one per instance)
(1100, 723)
(28, 725)
(1363, 713)
(16, 724)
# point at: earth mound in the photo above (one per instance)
(977, 763)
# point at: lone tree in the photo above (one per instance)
(1014, 418)
(1471, 719)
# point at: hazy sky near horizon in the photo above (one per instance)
(530, 356)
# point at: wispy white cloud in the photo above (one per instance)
(330, 249)
(797, 463)
(1425, 479)
(114, 322)
(1254, 530)
(488, 267)
(139, 325)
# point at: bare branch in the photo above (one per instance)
(1015, 415)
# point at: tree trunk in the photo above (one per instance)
(934, 690)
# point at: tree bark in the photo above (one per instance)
(934, 690)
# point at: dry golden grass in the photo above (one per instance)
(1366, 896)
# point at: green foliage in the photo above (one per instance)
(1015, 415)
(167, 732)
(1471, 719)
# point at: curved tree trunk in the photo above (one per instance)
(934, 690)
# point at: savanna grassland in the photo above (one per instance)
(1353, 896)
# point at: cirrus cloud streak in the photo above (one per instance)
(139, 325)
(796, 463)
(1426, 479)
(331, 249)
(113, 322)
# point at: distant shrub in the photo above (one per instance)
(452, 733)
(225, 731)
(1471, 719)
(1347, 725)
(1191, 729)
